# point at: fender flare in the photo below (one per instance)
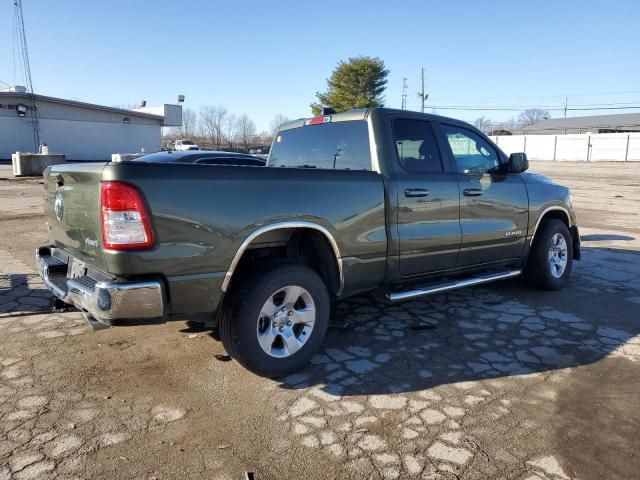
(541, 217)
(284, 226)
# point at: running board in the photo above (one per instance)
(443, 287)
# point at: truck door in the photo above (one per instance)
(428, 219)
(494, 205)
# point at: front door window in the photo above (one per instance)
(473, 155)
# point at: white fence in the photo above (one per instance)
(583, 147)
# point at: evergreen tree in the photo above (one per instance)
(356, 83)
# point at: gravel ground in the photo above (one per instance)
(492, 382)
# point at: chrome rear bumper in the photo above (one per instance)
(105, 301)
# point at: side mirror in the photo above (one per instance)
(518, 163)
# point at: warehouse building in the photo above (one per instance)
(80, 131)
(615, 123)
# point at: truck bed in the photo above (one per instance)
(201, 214)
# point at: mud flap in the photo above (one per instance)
(575, 236)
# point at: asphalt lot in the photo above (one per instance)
(493, 382)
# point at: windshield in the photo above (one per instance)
(187, 142)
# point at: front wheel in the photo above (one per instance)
(551, 257)
(277, 320)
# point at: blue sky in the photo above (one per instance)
(264, 58)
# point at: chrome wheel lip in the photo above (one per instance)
(558, 255)
(285, 321)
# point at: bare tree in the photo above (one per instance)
(510, 124)
(277, 122)
(245, 129)
(533, 115)
(264, 138)
(189, 123)
(212, 120)
(207, 129)
(483, 124)
(229, 128)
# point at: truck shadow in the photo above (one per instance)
(599, 237)
(22, 294)
(504, 329)
(483, 333)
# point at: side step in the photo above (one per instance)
(443, 287)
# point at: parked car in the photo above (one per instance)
(207, 157)
(182, 145)
(499, 132)
(366, 200)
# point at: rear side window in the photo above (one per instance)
(416, 146)
(339, 146)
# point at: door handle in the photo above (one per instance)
(416, 192)
(472, 192)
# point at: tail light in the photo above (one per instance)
(126, 224)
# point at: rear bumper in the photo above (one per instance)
(104, 300)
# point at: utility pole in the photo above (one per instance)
(566, 103)
(421, 94)
(404, 93)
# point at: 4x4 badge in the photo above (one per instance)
(58, 208)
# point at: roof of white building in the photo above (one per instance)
(618, 120)
(4, 94)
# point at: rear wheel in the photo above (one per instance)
(277, 320)
(551, 258)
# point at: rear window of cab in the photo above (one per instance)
(334, 146)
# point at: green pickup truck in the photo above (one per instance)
(398, 202)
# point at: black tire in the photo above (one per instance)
(537, 272)
(238, 326)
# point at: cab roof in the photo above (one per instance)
(363, 113)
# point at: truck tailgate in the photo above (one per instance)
(72, 211)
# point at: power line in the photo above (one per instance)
(27, 73)
(562, 95)
(517, 109)
(608, 104)
(493, 109)
(14, 46)
(607, 108)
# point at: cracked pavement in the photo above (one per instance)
(493, 382)
(450, 381)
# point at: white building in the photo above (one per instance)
(81, 131)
